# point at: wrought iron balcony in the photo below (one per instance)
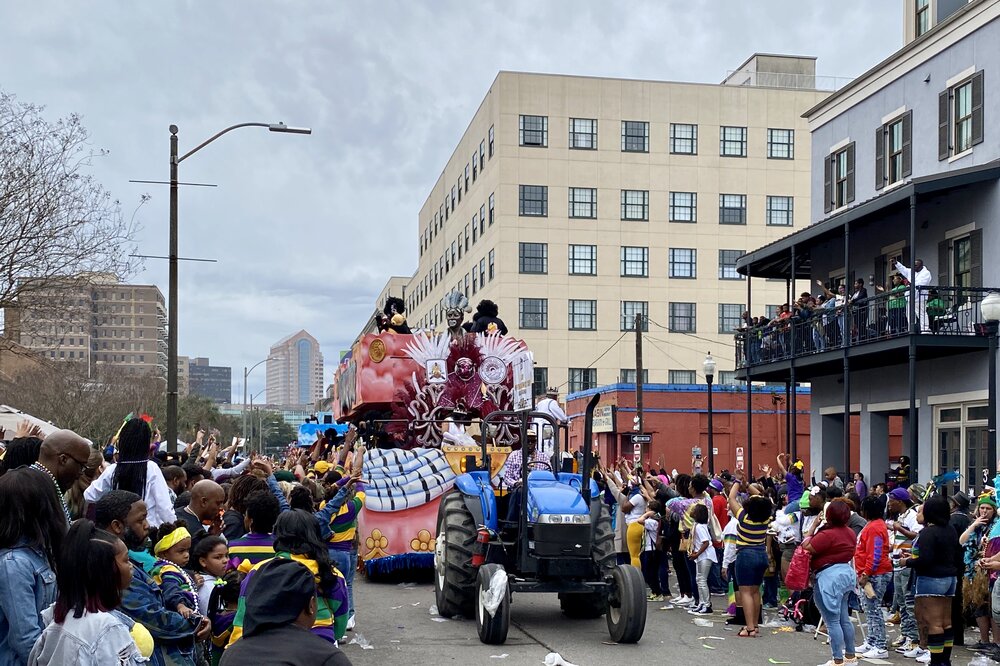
(941, 312)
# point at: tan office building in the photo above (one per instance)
(295, 371)
(95, 319)
(576, 202)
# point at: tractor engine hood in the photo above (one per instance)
(546, 495)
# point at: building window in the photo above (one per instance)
(582, 379)
(466, 177)
(629, 309)
(683, 263)
(475, 230)
(482, 154)
(460, 189)
(681, 377)
(583, 133)
(771, 311)
(922, 22)
(893, 151)
(635, 136)
(962, 262)
(839, 178)
(583, 202)
(682, 318)
(541, 383)
(727, 378)
(482, 272)
(533, 313)
(533, 201)
(730, 317)
(627, 375)
(732, 141)
(582, 315)
(732, 209)
(583, 260)
(683, 207)
(491, 141)
(683, 139)
(727, 264)
(475, 165)
(533, 131)
(492, 264)
(467, 236)
(635, 205)
(492, 209)
(780, 144)
(779, 211)
(634, 261)
(453, 194)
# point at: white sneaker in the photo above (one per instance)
(875, 653)
(925, 658)
(678, 599)
(687, 601)
(864, 647)
(917, 651)
(350, 623)
(906, 646)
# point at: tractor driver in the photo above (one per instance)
(512, 472)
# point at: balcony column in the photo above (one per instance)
(749, 446)
(914, 329)
(874, 461)
(793, 440)
(844, 464)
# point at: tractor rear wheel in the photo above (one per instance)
(454, 575)
(627, 605)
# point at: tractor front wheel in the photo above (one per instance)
(627, 605)
(492, 626)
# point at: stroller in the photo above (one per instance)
(800, 609)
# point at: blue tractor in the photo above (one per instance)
(561, 542)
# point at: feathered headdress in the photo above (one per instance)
(456, 300)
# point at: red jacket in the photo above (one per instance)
(871, 556)
(720, 507)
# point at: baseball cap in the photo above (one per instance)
(900, 494)
(716, 484)
(322, 467)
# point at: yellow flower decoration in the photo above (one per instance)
(423, 542)
(376, 544)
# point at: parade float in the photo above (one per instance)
(418, 400)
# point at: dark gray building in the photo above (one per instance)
(211, 381)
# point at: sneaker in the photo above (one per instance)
(875, 653)
(915, 652)
(686, 600)
(693, 604)
(924, 658)
(696, 610)
(901, 644)
(678, 599)
(660, 597)
(705, 610)
(650, 596)
(979, 646)
(861, 649)
(668, 607)
(350, 623)
(892, 619)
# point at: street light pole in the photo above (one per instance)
(990, 307)
(172, 287)
(246, 373)
(709, 367)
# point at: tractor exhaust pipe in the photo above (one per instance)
(588, 434)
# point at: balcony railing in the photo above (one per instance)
(941, 311)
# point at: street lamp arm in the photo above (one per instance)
(216, 136)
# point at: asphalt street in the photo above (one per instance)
(396, 622)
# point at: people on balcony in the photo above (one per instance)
(859, 299)
(921, 277)
(896, 308)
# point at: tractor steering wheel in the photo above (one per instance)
(533, 463)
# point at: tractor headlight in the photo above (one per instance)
(564, 518)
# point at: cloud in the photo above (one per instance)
(307, 229)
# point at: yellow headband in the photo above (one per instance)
(171, 540)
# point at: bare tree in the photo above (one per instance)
(59, 227)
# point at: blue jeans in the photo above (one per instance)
(873, 610)
(833, 587)
(692, 573)
(347, 563)
(903, 598)
(751, 563)
(770, 594)
(715, 582)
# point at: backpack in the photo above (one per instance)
(797, 577)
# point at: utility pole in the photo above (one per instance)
(172, 305)
(638, 372)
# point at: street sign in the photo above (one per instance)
(524, 377)
(739, 451)
(642, 439)
(604, 418)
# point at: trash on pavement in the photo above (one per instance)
(554, 658)
(702, 622)
(707, 647)
(775, 661)
(499, 656)
(361, 641)
(433, 610)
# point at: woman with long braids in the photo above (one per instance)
(296, 537)
(136, 473)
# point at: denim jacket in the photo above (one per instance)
(27, 586)
(94, 639)
(173, 634)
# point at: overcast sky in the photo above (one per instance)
(299, 224)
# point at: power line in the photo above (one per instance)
(694, 349)
(592, 363)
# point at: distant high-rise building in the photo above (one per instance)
(183, 375)
(211, 381)
(295, 371)
(94, 319)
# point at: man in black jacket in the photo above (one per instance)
(859, 300)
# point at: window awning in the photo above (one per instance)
(774, 260)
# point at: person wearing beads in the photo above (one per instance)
(136, 473)
(753, 518)
(32, 530)
(63, 458)
(172, 549)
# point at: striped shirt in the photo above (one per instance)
(251, 549)
(345, 524)
(748, 532)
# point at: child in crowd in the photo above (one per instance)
(217, 592)
(704, 556)
(172, 549)
(650, 521)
